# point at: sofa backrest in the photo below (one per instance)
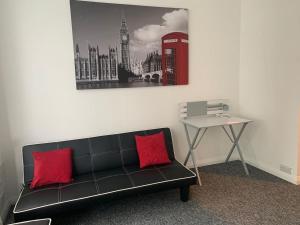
(96, 153)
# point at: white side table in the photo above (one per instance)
(203, 123)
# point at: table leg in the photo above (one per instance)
(228, 135)
(194, 146)
(191, 150)
(236, 144)
(196, 168)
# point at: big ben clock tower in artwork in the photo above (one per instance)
(124, 37)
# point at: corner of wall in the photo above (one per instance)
(5, 211)
(298, 159)
(239, 63)
(276, 172)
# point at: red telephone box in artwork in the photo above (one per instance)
(175, 58)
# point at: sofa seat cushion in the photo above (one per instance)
(99, 184)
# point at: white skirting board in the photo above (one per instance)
(276, 172)
(210, 161)
(261, 166)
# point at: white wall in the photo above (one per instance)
(259, 75)
(38, 74)
(269, 83)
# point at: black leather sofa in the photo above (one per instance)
(104, 167)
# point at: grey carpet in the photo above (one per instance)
(227, 197)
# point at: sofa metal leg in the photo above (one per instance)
(184, 193)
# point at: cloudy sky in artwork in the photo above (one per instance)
(98, 24)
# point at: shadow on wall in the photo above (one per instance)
(7, 155)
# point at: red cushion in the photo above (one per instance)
(52, 167)
(152, 149)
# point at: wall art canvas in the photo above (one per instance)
(118, 46)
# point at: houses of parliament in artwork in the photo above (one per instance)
(103, 67)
